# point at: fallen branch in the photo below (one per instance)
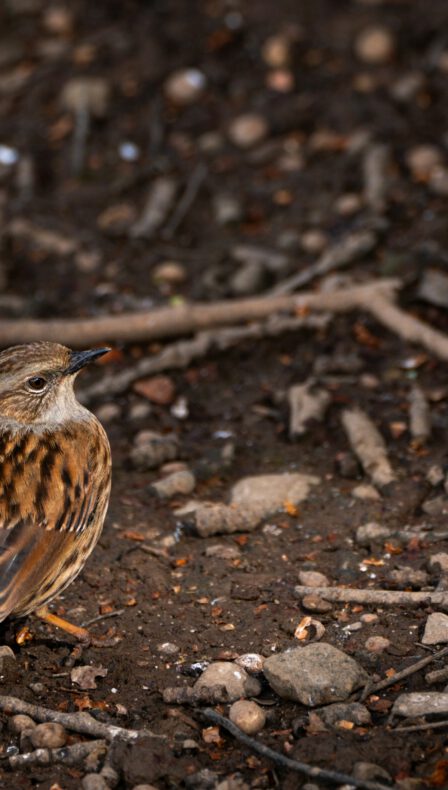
(68, 755)
(311, 771)
(368, 445)
(81, 722)
(181, 354)
(404, 673)
(376, 597)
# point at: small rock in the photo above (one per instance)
(313, 579)
(247, 130)
(409, 577)
(369, 618)
(438, 506)
(223, 552)
(170, 272)
(425, 703)
(85, 676)
(422, 160)
(314, 675)
(276, 50)
(349, 204)
(248, 716)
(433, 288)
(235, 680)
(377, 644)
(406, 88)
(366, 491)
(21, 722)
(182, 482)
(153, 449)
(436, 629)
(313, 603)
(352, 627)
(249, 278)
(108, 412)
(185, 86)
(435, 475)
(252, 662)
(227, 209)
(313, 241)
(375, 45)
(49, 735)
(168, 649)
(370, 772)
(139, 410)
(346, 711)
(269, 492)
(157, 389)
(371, 533)
(94, 782)
(438, 562)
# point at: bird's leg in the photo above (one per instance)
(52, 619)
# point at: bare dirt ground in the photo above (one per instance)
(81, 169)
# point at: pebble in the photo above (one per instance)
(276, 51)
(170, 272)
(349, 204)
(375, 45)
(436, 629)
(252, 662)
(152, 449)
(223, 552)
(157, 389)
(313, 241)
(409, 577)
(269, 492)
(438, 562)
(435, 475)
(248, 130)
(406, 88)
(108, 412)
(182, 482)
(347, 711)
(377, 644)
(94, 782)
(313, 579)
(422, 160)
(49, 735)
(227, 209)
(185, 86)
(314, 675)
(437, 506)
(371, 533)
(369, 618)
(248, 716)
(313, 603)
(139, 410)
(366, 491)
(168, 649)
(425, 703)
(370, 772)
(235, 680)
(21, 722)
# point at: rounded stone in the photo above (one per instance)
(21, 722)
(377, 644)
(248, 130)
(235, 680)
(94, 782)
(185, 86)
(375, 45)
(49, 735)
(248, 716)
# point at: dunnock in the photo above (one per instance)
(55, 475)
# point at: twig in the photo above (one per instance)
(429, 725)
(186, 201)
(368, 445)
(419, 414)
(311, 771)
(404, 673)
(182, 353)
(375, 166)
(158, 205)
(341, 254)
(99, 617)
(69, 755)
(377, 597)
(78, 722)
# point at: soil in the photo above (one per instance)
(209, 607)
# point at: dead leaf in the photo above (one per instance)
(131, 534)
(343, 724)
(84, 676)
(157, 389)
(211, 735)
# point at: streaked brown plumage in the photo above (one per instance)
(55, 472)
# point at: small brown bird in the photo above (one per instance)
(55, 475)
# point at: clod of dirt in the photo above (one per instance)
(370, 772)
(314, 675)
(152, 449)
(372, 533)
(233, 678)
(377, 644)
(157, 389)
(48, 735)
(182, 482)
(248, 716)
(436, 629)
(85, 676)
(146, 760)
(350, 711)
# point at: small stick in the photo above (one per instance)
(404, 673)
(341, 254)
(77, 722)
(157, 207)
(377, 597)
(311, 771)
(419, 414)
(429, 725)
(99, 617)
(375, 166)
(69, 755)
(368, 445)
(186, 201)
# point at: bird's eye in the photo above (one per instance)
(36, 384)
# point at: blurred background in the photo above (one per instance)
(154, 151)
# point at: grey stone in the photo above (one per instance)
(48, 735)
(436, 629)
(418, 703)
(369, 772)
(182, 482)
(314, 675)
(409, 577)
(94, 782)
(347, 711)
(313, 579)
(371, 533)
(234, 678)
(152, 449)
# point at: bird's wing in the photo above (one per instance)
(51, 490)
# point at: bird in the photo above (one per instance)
(55, 479)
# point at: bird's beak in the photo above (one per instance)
(78, 359)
